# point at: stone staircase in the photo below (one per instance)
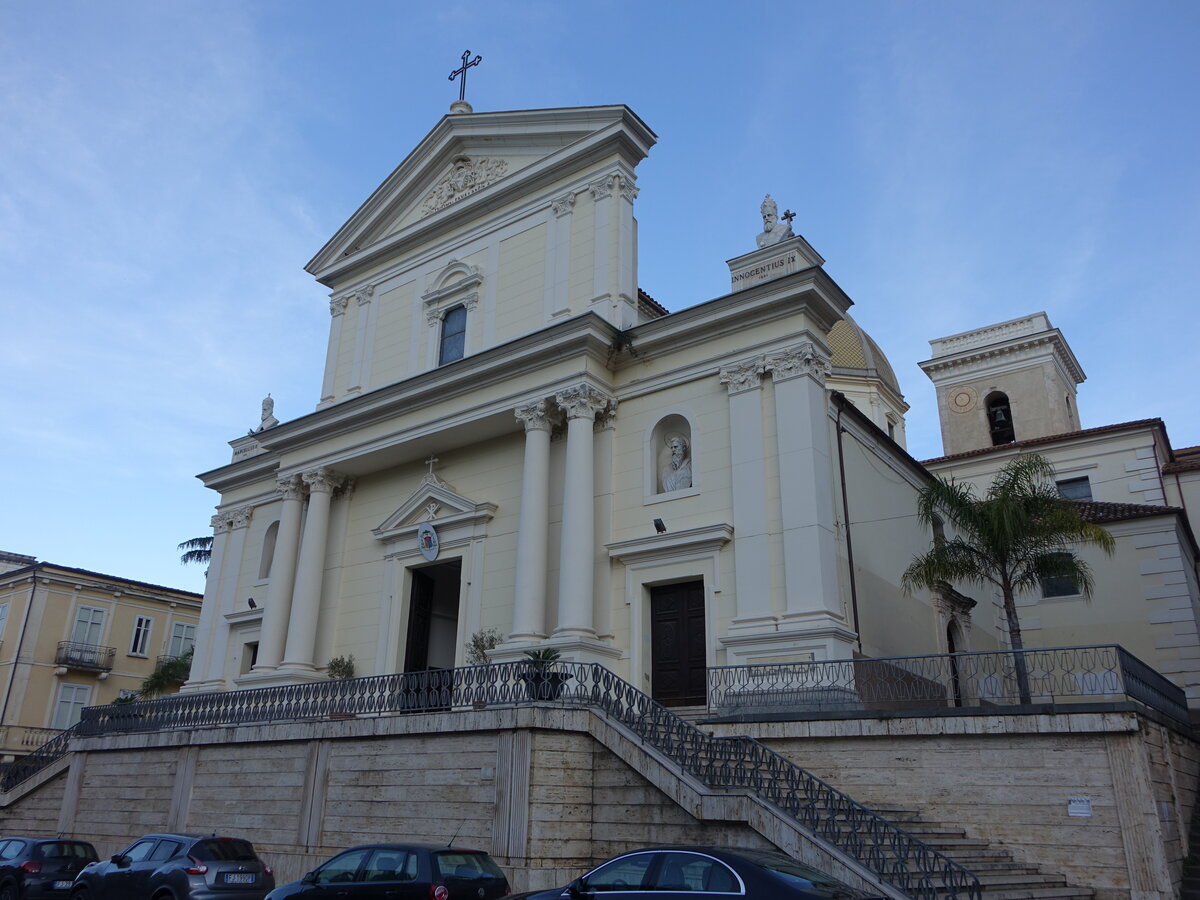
(1001, 876)
(1189, 888)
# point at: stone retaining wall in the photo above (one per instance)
(1008, 779)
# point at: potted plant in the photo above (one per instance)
(477, 655)
(341, 668)
(542, 682)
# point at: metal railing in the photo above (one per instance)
(24, 767)
(84, 656)
(1057, 677)
(737, 763)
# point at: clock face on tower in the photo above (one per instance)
(962, 399)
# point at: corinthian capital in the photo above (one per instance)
(584, 401)
(563, 205)
(533, 416)
(239, 517)
(803, 359)
(220, 522)
(743, 376)
(337, 305)
(323, 480)
(291, 487)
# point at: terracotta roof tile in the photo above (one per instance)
(650, 306)
(1098, 512)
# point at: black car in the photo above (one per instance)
(34, 868)
(675, 873)
(178, 867)
(401, 872)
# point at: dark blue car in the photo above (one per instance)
(693, 873)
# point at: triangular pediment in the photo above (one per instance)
(470, 163)
(434, 502)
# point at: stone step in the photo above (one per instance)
(1050, 893)
(1010, 880)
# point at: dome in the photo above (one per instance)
(855, 353)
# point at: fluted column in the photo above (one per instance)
(306, 598)
(529, 601)
(578, 527)
(748, 476)
(805, 481)
(283, 576)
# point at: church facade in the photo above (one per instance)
(512, 436)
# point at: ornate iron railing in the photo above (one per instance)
(84, 656)
(1057, 677)
(740, 763)
(25, 767)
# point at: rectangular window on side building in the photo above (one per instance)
(72, 698)
(183, 638)
(141, 636)
(1074, 488)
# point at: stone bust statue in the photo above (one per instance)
(676, 474)
(268, 415)
(774, 229)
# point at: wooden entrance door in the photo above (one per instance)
(678, 670)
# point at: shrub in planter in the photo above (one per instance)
(541, 680)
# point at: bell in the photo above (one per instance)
(998, 415)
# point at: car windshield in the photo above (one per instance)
(64, 850)
(223, 850)
(465, 864)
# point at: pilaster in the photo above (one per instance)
(337, 313)
(805, 480)
(748, 476)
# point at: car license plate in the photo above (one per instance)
(239, 878)
(63, 885)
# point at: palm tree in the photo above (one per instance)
(167, 676)
(1019, 533)
(197, 551)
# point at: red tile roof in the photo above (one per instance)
(1098, 512)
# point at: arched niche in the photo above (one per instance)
(1000, 418)
(671, 456)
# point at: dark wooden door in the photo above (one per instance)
(678, 671)
(416, 654)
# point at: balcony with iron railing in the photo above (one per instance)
(1053, 679)
(91, 657)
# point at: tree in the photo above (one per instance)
(197, 551)
(168, 676)
(1019, 533)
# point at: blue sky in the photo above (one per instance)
(167, 168)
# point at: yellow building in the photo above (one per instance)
(71, 638)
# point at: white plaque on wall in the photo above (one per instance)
(427, 541)
(1079, 806)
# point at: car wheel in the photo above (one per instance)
(8, 892)
(80, 893)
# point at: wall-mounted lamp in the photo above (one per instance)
(660, 526)
(250, 603)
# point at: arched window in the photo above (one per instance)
(454, 332)
(268, 551)
(1000, 420)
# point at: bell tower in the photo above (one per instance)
(1002, 383)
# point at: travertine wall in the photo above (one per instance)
(1007, 779)
(551, 791)
(537, 789)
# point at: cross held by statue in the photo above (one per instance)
(787, 216)
(467, 62)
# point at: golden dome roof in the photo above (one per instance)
(855, 353)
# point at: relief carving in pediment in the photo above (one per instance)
(467, 177)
